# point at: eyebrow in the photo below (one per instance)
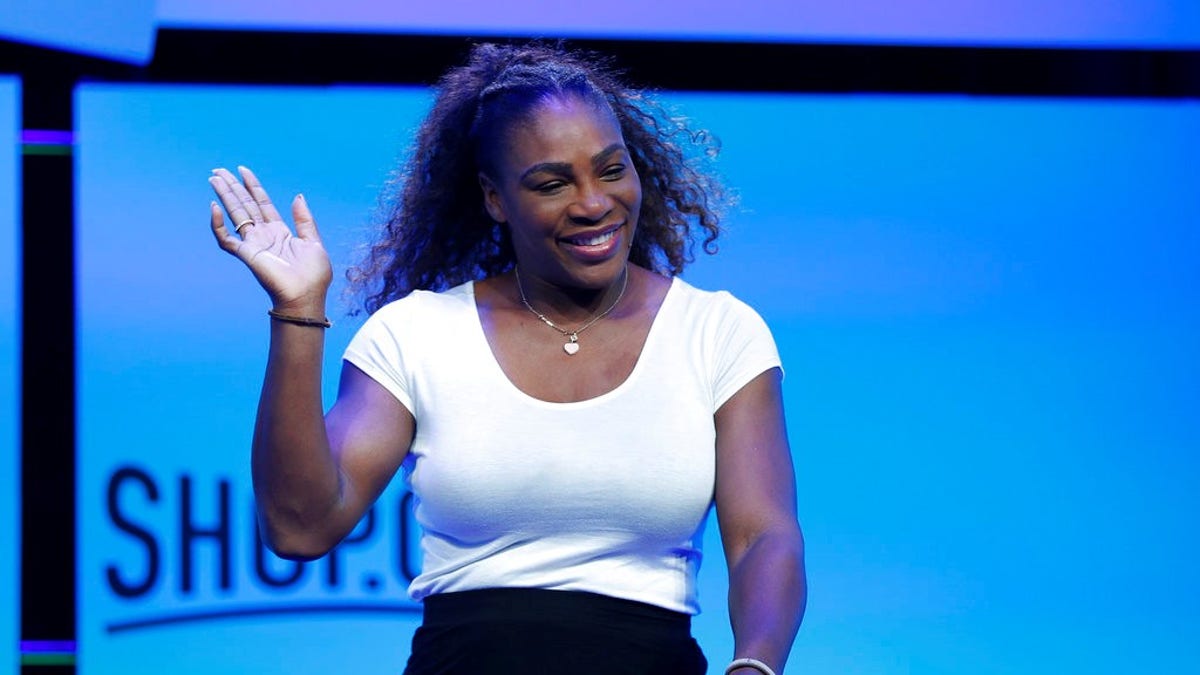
(565, 167)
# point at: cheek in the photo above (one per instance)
(634, 189)
(634, 199)
(539, 218)
(532, 223)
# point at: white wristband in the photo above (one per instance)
(749, 663)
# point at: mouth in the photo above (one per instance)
(593, 239)
(594, 246)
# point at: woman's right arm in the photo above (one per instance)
(315, 474)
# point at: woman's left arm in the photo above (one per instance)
(756, 510)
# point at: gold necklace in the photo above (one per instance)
(572, 345)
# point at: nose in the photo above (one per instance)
(592, 204)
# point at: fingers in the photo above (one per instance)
(250, 207)
(259, 195)
(306, 228)
(242, 209)
(225, 239)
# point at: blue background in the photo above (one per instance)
(125, 30)
(1129, 23)
(115, 29)
(10, 413)
(986, 309)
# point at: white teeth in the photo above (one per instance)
(594, 241)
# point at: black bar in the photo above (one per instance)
(319, 58)
(328, 58)
(47, 378)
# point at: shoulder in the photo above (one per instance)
(417, 313)
(719, 306)
(724, 323)
(730, 339)
(428, 301)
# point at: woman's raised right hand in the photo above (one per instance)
(293, 268)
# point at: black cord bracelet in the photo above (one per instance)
(299, 320)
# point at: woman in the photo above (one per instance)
(565, 408)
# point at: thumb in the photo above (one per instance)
(306, 227)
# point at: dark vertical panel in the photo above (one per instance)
(48, 369)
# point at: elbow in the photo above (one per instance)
(292, 542)
(779, 548)
(789, 536)
(784, 540)
(789, 548)
(793, 553)
(298, 551)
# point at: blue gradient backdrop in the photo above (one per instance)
(125, 30)
(986, 308)
(1076, 23)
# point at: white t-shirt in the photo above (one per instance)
(608, 495)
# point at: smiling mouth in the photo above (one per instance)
(598, 239)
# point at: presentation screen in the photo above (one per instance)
(985, 308)
(1082, 23)
(10, 383)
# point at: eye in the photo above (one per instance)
(613, 172)
(549, 187)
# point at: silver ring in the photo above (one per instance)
(248, 221)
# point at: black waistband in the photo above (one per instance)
(541, 605)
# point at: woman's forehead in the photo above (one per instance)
(563, 121)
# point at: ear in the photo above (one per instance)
(491, 199)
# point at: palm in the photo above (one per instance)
(288, 267)
(291, 267)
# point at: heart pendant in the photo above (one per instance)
(571, 347)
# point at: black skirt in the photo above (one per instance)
(522, 631)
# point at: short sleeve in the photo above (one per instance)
(377, 349)
(745, 348)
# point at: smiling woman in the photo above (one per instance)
(569, 196)
(561, 487)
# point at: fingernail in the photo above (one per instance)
(300, 196)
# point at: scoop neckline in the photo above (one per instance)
(638, 365)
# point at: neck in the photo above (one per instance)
(569, 305)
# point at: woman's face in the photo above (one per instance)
(567, 189)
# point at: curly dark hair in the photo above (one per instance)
(437, 232)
